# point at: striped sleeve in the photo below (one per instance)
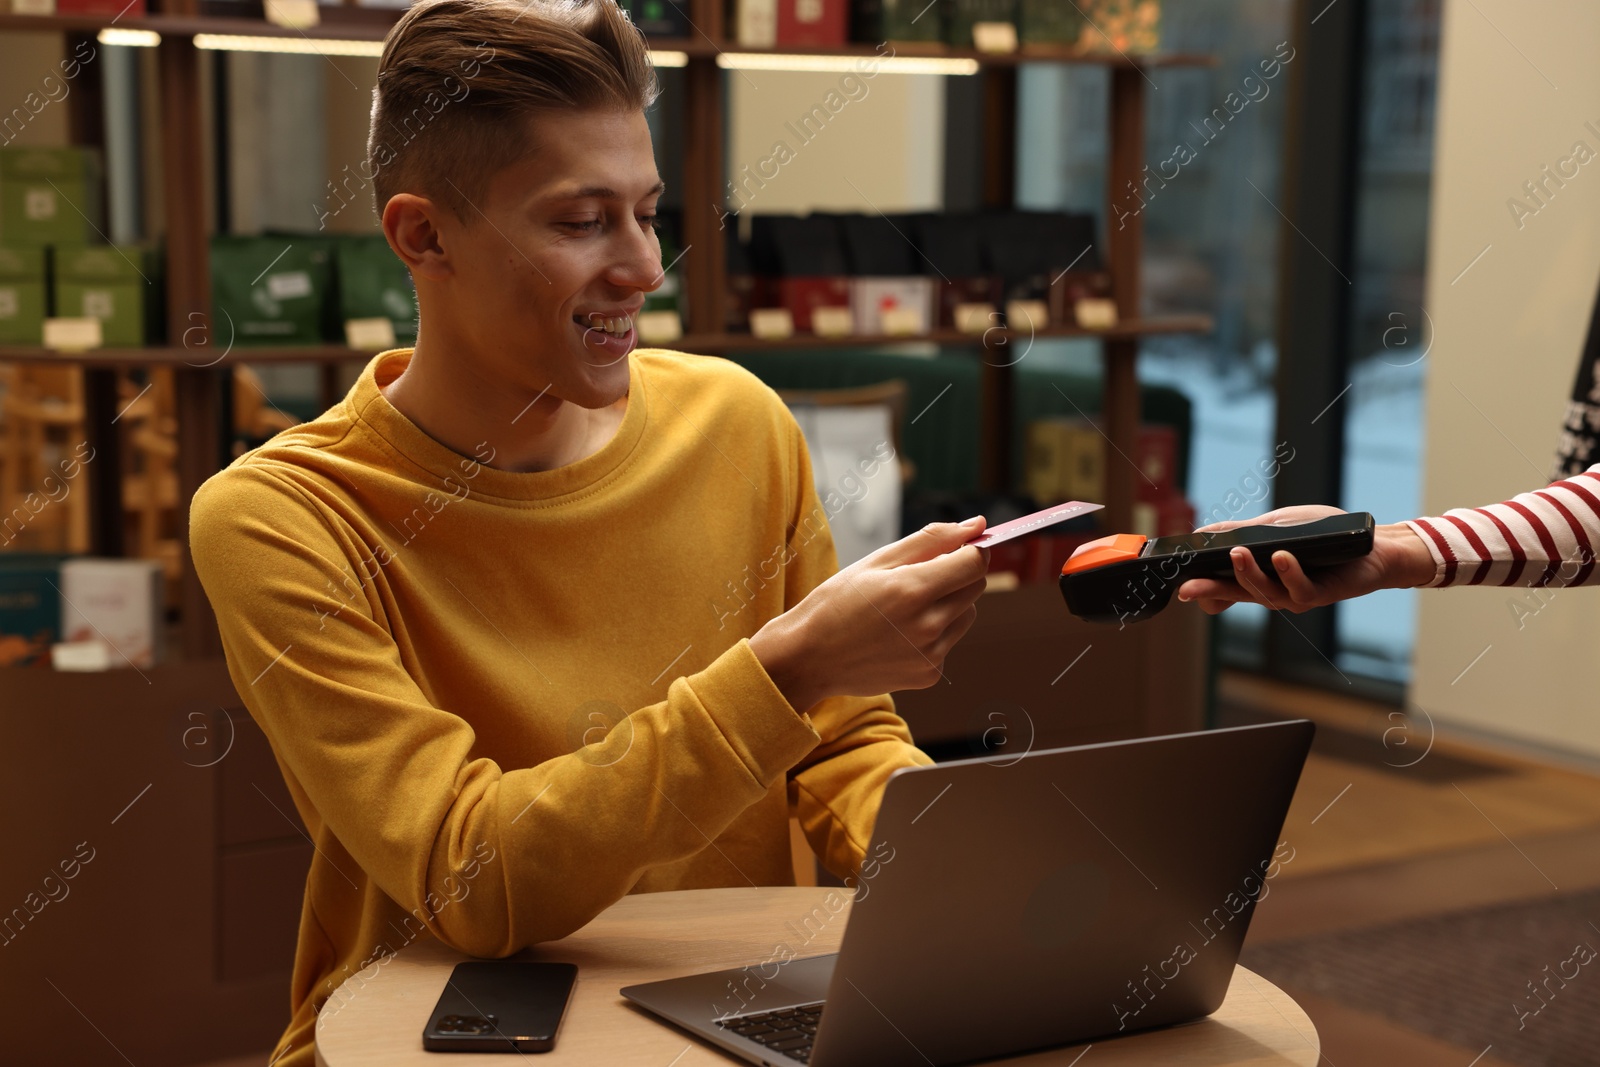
(1545, 537)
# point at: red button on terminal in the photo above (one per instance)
(1114, 549)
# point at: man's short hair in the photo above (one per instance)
(459, 80)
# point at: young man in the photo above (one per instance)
(533, 620)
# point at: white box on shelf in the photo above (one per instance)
(756, 23)
(119, 602)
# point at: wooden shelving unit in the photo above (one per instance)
(201, 376)
(702, 343)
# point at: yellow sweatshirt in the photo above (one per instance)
(502, 700)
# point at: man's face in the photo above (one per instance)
(550, 266)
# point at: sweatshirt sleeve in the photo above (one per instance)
(835, 790)
(376, 766)
(1538, 538)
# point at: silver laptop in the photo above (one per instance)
(1019, 903)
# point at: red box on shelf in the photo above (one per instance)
(1155, 453)
(1014, 557)
(109, 8)
(802, 295)
(1168, 516)
(802, 22)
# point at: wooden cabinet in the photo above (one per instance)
(1029, 676)
(173, 943)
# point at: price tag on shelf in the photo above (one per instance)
(975, 318)
(80, 656)
(1095, 312)
(771, 324)
(289, 285)
(293, 14)
(994, 36)
(658, 327)
(832, 322)
(372, 335)
(1027, 315)
(33, 7)
(72, 335)
(902, 322)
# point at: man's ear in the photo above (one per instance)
(412, 225)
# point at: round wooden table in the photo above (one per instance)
(648, 936)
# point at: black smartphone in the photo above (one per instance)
(1129, 579)
(500, 1006)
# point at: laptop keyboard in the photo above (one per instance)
(789, 1031)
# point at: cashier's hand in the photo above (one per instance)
(1398, 560)
(883, 623)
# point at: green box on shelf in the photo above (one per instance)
(374, 284)
(112, 283)
(50, 196)
(30, 600)
(1048, 22)
(270, 290)
(22, 284)
(963, 13)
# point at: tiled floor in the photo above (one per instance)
(1377, 842)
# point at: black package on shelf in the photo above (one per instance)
(1027, 249)
(796, 246)
(802, 263)
(954, 249)
(743, 288)
(879, 245)
(953, 244)
(660, 18)
(890, 291)
(233, 9)
(875, 21)
(670, 294)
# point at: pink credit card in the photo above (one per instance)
(1028, 524)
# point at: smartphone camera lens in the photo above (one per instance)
(466, 1024)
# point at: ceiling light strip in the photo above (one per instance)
(312, 46)
(116, 35)
(847, 63)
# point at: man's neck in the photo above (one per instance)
(463, 411)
